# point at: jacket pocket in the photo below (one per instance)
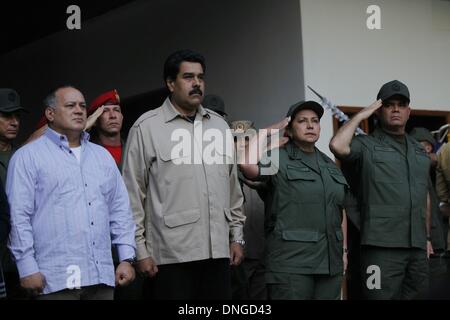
(181, 218)
(339, 178)
(300, 173)
(175, 167)
(180, 237)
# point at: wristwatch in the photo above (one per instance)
(241, 242)
(131, 261)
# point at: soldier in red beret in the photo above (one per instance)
(105, 124)
(106, 120)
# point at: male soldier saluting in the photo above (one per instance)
(392, 175)
(107, 124)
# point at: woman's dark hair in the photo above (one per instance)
(173, 62)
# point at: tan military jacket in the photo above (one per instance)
(184, 210)
(443, 173)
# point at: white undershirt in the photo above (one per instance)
(77, 152)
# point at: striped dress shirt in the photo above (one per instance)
(66, 214)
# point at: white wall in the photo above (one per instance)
(348, 63)
(252, 47)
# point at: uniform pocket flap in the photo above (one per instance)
(386, 154)
(422, 152)
(386, 149)
(301, 235)
(167, 155)
(334, 171)
(339, 179)
(300, 173)
(181, 218)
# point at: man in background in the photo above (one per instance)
(10, 115)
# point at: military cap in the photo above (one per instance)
(215, 103)
(305, 105)
(109, 97)
(10, 101)
(393, 88)
(422, 134)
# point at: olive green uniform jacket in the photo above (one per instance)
(303, 224)
(392, 188)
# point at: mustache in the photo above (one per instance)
(196, 91)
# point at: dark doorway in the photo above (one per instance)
(133, 107)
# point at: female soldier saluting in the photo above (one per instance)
(305, 221)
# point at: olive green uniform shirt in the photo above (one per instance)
(5, 156)
(304, 234)
(392, 182)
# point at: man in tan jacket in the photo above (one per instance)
(188, 209)
(443, 184)
(443, 173)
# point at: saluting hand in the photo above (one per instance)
(273, 130)
(368, 111)
(93, 118)
(125, 274)
(147, 267)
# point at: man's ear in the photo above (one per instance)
(50, 114)
(170, 84)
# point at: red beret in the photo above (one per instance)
(42, 122)
(111, 97)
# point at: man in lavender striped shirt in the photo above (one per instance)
(68, 204)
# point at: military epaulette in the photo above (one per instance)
(211, 112)
(149, 114)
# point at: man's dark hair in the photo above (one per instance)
(173, 62)
(50, 99)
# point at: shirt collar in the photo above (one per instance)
(61, 140)
(170, 112)
(293, 151)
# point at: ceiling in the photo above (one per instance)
(22, 22)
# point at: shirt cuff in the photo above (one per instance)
(236, 233)
(142, 252)
(125, 252)
(27, 266)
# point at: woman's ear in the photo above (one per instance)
(288, 132)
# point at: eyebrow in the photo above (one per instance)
(113, 106)
(306, 118)
(193, 74)
(75, 102)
